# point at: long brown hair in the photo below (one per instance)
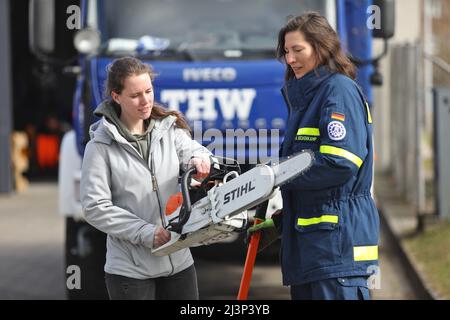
(125, 67)
(324, 40)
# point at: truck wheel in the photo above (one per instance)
(85, 253)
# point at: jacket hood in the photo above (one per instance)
(111, 112)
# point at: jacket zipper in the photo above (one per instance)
(155, 188)
(154, 182)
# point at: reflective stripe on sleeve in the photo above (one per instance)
(369, 116)
(309, 132)
(342, 153)
(310, 221)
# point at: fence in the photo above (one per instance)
(411, 145)
(407, 122)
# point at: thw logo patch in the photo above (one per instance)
(336, 130)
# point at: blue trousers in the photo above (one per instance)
(350, 288)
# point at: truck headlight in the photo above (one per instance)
(87, 40)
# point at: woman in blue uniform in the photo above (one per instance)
(330, 224)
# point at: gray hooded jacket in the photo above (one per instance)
(125, 197)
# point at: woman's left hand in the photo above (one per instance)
(202, 166)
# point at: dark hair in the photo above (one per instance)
(324, 40)
(125, 67)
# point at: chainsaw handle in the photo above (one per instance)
(186, 207)
(185, 179)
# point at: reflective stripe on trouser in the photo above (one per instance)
(365, 253)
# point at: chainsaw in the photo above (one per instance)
(217, 208)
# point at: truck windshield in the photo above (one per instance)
(204, 24)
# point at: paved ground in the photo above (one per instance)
(395, 283)
(401, 220)
(221, 281)
(31, 245)
(31, 257)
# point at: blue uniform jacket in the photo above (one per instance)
(330, 225)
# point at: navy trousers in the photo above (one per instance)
(350, 288)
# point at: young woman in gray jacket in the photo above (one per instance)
(130, 168)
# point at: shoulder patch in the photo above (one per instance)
(336, 130)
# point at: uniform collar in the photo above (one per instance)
(302, 90)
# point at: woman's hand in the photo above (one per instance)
(161, 237)
(202, 166)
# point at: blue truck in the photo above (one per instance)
(215, 61)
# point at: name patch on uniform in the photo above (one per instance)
(306, 138)
(338, 116)
(336, 131)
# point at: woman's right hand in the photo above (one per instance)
(161, 237)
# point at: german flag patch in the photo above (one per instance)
(338, 116)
